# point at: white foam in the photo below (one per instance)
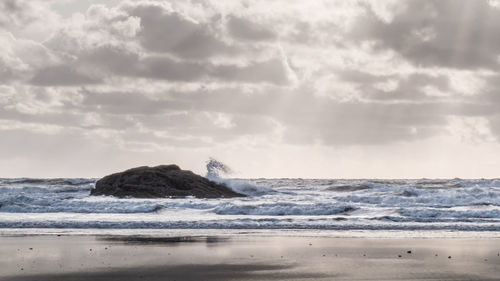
(282, 209)
(245, 187)
(271, 203)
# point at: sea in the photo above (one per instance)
(29, 205)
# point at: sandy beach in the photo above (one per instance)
(246, 257)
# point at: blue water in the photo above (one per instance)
(413, 205)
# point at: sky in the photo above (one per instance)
(282, 88)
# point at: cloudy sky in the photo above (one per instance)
(330, 89)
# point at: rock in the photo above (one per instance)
(160, 181)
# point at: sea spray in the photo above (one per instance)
(216, 171)
(467, 205)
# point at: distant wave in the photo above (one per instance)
(22, 203)
(282, 209)
(244, 224)
(46, 182)
(346, 188)
(47, 189)
(413, 204)
(447, 213)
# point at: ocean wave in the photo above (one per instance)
(442, 198)
(282, 209)
(437, 219)
(50, 189)
(447, 213)
(271, 203)
(25, 204)
(245, 224)
(47, 182)
(348, 188)
(245, 187)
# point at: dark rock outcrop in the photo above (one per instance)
(160, 181)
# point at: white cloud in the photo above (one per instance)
(467, 83)
(154, 78)
(471, 129)
(32, 20)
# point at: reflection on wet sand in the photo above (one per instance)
(245, 257)
(165, 240)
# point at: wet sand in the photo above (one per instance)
(234, 257)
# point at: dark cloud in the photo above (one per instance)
(272, 71)
(62, 75)
(438, 33)
(165, 68)
(242, 28)
(110, 59)
(167, 31)
(16, 12)
(154, 75)
(123, 103)
(7, 72)
(119, 61)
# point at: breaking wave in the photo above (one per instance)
(216, 171)
(455, 204)
(282, 209)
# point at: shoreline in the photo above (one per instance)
(377, 234)
(246, 256)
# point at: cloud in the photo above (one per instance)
(20, 57)
(302, 119)
(62, 75)
(153, 77)
(443, 33)
(24, 18)
(272, 71)
(165, 30)
(242, 28)
(111, 60)
(108, 61)
(17, 13)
